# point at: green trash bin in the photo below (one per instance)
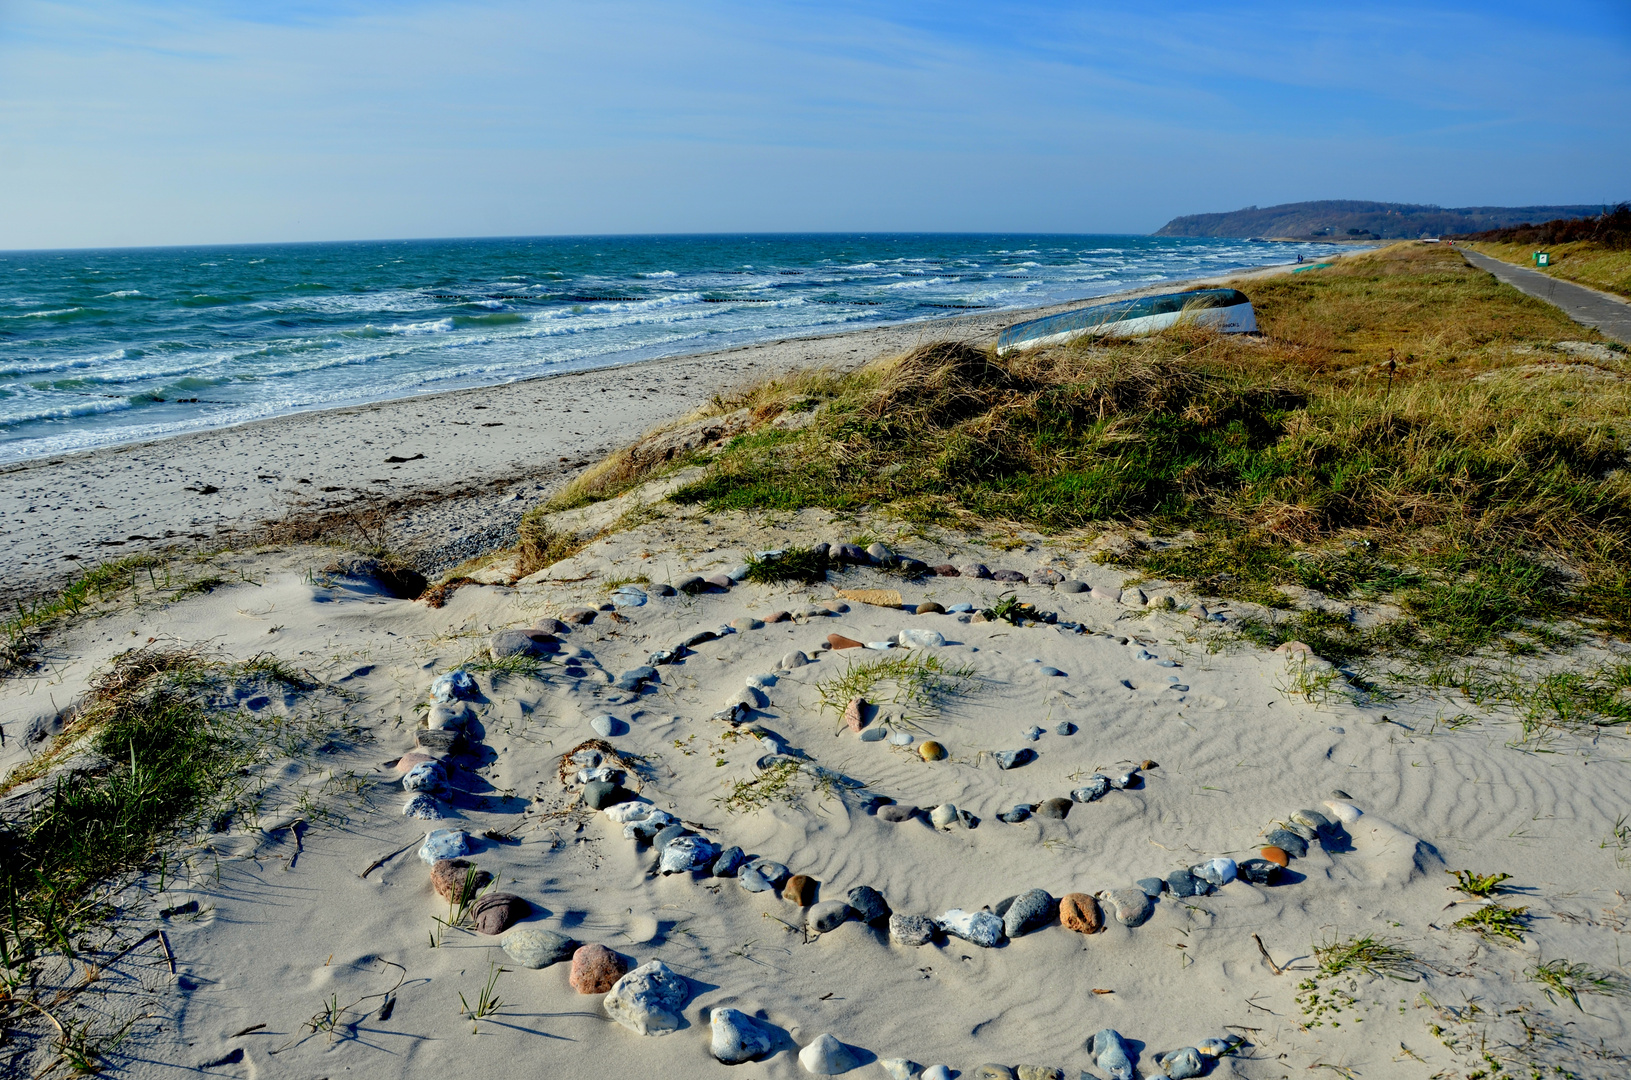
(1543, 258)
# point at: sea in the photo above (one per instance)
(103, 347)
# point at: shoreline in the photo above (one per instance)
(445, 497)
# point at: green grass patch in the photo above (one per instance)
(921, 683)
(1563, 979)
(1496, 921)
(1481, 885)
(1367, 955)
(802, 564)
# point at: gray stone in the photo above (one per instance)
(1050, 672)
(686, 853)
(1054, 809)
(826, 1056)
(1066, 728)
(535, 947)
(599, 794)
(423, 807)
(993, 1071)
(1097, 787)
(1131, 907)
(455, 685)
(917, 637)
(1110, 1054)
(737, 1037)
(1152, 886)
(635, 678)
(1215, 872)
(1183, 883)
(794, 659)
(827, 916)
(879, 554)
(911, 929)
(774, 872)
(449, 717)
(648, 999)
(1122, 781)
(1047, 577)
(1182, 1064)
(1313, 819)
(521, 643)
(868, 904)
(1071, 587)
(974, 570)
(943, 816)
(662, 590)
(751, 696)
(1034, 733)
(436, 741)
(606, 726)
(1039, 1072)
(667, 835)
(425, 776)
(982, 928)
(851, 553)
(444, 844)
(900, 1068)
(1301, 830)
(1290, 842)
(728, 862)
(1019, 813)
(752, 880)
(1029, 911)
(1013, 759)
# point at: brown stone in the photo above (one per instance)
(1057, 809)
(946, 570)
(930, 608)
(875, 597)
(497, 912)
(746, 622)
(839, 641)
(448, 878)
(932, 751)
(777, 616)
(596, 969)
(720, 581)
(579, 616)
(801, 890)
(1148, 764)
(855, 714)
(1080, 912)
(1275, 855)
(410, 759)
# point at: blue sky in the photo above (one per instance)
(142, 123)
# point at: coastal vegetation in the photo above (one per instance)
(1594, 251)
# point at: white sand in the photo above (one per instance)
(1235, 753)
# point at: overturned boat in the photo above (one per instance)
(1227, 310)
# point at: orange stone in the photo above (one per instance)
(595, 969)
(1080, 912)
(800, 889)
(839, 641)
(932, 751)
(1276, 855)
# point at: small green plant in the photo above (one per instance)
(774, 784)
(1010, 609)
(1619, 838)
(1482, 885)
(519, 666)
(612, 584)
(1313, 682)
(488, 1002)
(1568, 980)
(914, 679)
(794, 564)
(1369, 955)
(1496, 921)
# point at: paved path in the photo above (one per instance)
(1608, 314)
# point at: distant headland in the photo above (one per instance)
(1351, 219)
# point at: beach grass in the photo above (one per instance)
(1581, 261)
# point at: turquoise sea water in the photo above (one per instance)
(106, 347)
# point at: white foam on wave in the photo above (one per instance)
(120, 294)
(42, 314)
(433, 326)
(660, 274)
(490, 305)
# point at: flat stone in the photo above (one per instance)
(900, 738)
(918, 637)
(868, 904)
(1080, 912)
(737, 1037)
(453, 881)
(1289, 842)
(911, 929)
(684, 854)
(800, 890)
(855, 714)
(1152, 886)
(794, 659)
(606, 726)
(668, 834)
(826, 1056)
(508, 643)
(1313, 819)
(599, 794)
(1013, 576)
(1131, 907)
(943, 816)
(1048, 672)
(595, 969)
(929, 608)
(1039, 1072)
(438, 742)
(1013, 759)
(752, 880)
(497, 912)
(1097, 787)
(887, 598)
(579, 616)
(728, 862)
(648, 999)
(1258, 871)
(1215, 872)
(944, 570)
(535, 947)
(746, 622)
(1276, 855)
(1054, 809)
(551, 626)
(444, 844)
(1183, 883)
(774, 872)
(1020, 812)
(1030, 910)
(982, 928)
(897, 812)
(827, 916)
(992, 1071)
(1182, 1064)
(1071, 587)
(839, 641)
(719, 581)
(931, 751)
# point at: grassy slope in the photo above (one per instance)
(1478, 505)
(1579, 261)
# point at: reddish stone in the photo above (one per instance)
(839, 641)
(596, 969)
(777, 616)
(579, 615)
(497, 912)
(800, 889)
(448, 877)
(1277, 856)
(855, 714)
(1080, 912)
(946, 570)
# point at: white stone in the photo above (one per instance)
(826, 1056)
(937, 1072)
(1132, 597)
(686, 853)
(943, 816)
(444, 844)
(900, 1068)
(648, 999)
(919, 637)
(982, 928)
(625, 812)
(737, 1037)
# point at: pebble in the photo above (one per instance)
(1133, 597)
(794, 659)
(1039, 1072)
(762, 682)
(444, 844)
(649, 826)
(728, 861)
(1071, 587)
(974, 570)
(1289, 842)
(911, 929)
(918, 637)
(635, 678)
(628, 596)
(943, 816)
(599, 794)
(1029, 911)
(1050, 672)
(993, 1071)
(1125, 780)
(1167, 663)
(827, 916)
(648, 999)
(980, 928)
(662, 590)
(1110, 1054)
(425, 776)
(868, 905)
(879, 553)
(1215, 872)
(535, 947)
(1097, 787)
(1080, 912)
(423, 807)
(897, 812)
(1100, 592)
(880, 646)
(964, 608)
(1258, 871)
(1013, 759)
(1047, 577)
(452, 880)
(1012, 576)
(800, 890)
(453, 686)
(826, 1056)
(1034, 733)
(1019, 813)
(737, 1037)
(497, 912)
(744, 623)
(551, 626)
(929, 607)
(900, 738)
(719, 581)
(932, 751)
(855, 713)
(1054, 809)
(1276, 855)
(578, 616)
(753, 881)
(606, 726)
(686, 853)
(1313, 819)
(752, 697)
(1301, 830)
(1182, 1064)
(874, 734)
(1183, 883)
(839, 641)
(1218, 1047)
(438, 742)
(740, 571)
(936, 1072)
(900, 1068)
(1132, 907)
(1152, 886)
(1066, 728)
(599, 772)
(1338, 793)
(667, 835)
